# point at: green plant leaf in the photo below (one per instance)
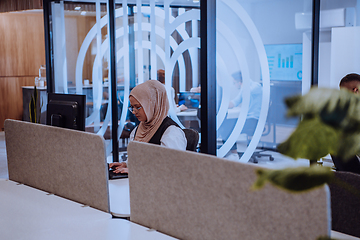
(291, 101)
(294, 179)
(349, 145)
(317, 99)
(32, 110)
(325, 238)
(312, 139)
(35, 95)
(335, 117)
(33, 107)
(338, 108)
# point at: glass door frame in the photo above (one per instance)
(207, 66)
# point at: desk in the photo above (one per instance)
(233, 113)
(187, 116)
(342, 236)
(32, 214)
(119, 197)
(28, 213)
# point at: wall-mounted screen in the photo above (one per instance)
(285, 61)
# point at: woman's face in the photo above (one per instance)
(139, 114)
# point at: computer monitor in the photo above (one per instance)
(66, 110)
(189, 99)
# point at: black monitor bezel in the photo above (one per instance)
(60, 99)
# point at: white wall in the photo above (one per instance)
(275, 21)
(345, 53)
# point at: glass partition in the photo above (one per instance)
(261, 48)
(153, 40)
(339, 41)
(81, 59)
(263, 55)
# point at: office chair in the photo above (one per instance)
(258, 154)
(351, 165)
(249, 130)
(192, 137)
(345, 198)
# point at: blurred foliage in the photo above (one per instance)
(294, 179)
(325, 238)
(330, 124)
(311, 140)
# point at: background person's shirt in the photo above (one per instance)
(255, 100)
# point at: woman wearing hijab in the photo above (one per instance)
(150, 105)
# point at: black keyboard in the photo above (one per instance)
(113, 175)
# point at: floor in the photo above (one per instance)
(280, 161)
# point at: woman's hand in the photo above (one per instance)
(119, 167)
(183, 107)
(121, 170)
(116, 165)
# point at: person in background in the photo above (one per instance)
(196, 89)
(255, 96)
(350, 82)
(150, 105)
(253, 115)
(161, 78)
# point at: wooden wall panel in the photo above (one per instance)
(19, 5)
(22, 44)
(22, 51)
(11, 97)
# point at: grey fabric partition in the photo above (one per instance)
(190, 195)
(68, 163)
(345, 203)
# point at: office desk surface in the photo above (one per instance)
(233, 112)
(342, 236)
(119, 197)
(187, 113)
(28, 213)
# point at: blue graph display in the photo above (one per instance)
(285, 61)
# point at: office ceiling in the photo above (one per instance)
(185, 3)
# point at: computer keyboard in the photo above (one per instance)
(113, 175)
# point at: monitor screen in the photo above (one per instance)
(66, 110)
(285, 61)
(189, 99)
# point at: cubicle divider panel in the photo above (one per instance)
(64, 162)
(197, 196)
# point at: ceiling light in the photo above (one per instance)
(77, 8)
